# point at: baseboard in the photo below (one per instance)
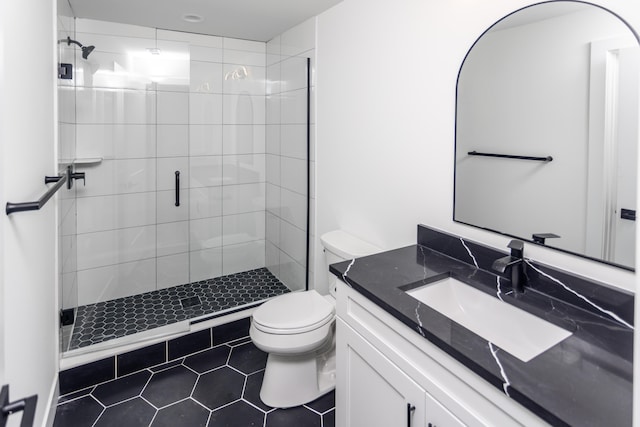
(52, 402)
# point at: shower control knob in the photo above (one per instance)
(71, 176)
(79, 175)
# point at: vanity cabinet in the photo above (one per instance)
(377, 393)
(389, 375)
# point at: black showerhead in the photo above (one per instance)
(86, 50)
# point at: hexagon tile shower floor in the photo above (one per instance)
(96, 323)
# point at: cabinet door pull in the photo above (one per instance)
(177, 188)
(410, 410)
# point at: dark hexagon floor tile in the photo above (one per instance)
(219, 387)
(132, 413)
(252, 391)
(293, 417)
(78, 413)
(240, 341)
(329, 419)
(166, 366)
(208, 359)
(121, 389)
(238, 414)
(75, 395)
(248, 358)
(185, 413)
(323, 403)
(169, 386)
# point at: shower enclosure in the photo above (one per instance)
(195, 151)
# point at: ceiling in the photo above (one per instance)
(259, 20)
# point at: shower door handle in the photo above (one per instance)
(177, 188)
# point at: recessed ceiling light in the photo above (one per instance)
(192, 17)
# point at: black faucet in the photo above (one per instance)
(517, 264)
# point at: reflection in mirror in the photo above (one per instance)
(557, 82)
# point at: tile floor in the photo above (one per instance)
(216, 387)
(107, 320)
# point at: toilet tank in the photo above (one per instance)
(342, 246)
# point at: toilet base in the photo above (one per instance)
(295, 380)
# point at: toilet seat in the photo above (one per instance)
(294, 313)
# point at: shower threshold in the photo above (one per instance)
(104, 321)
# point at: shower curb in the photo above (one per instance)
(110, 368)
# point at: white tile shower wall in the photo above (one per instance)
(67, 259)
(116, 141)
(240, 81)
(116, 281)
(197, 108)
(286, 154)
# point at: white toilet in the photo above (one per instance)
(298, 332)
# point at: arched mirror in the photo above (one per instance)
(547, 130)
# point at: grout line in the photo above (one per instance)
(259, 409)
(225, 405)
(99, 416)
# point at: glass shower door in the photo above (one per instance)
(189, 211)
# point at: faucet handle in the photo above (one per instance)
(517, 248)
(542, 237)
(516, 244)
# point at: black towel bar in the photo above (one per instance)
(38, 204)
(509, 156)
(27, 406)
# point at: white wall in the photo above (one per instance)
(28, 139)
(386, 82)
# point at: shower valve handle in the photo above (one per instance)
(71, 176)
(79, 175)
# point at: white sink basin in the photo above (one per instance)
(513, 330)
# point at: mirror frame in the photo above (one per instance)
(635, 34)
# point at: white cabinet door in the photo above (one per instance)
(438, 415)
(372, 391)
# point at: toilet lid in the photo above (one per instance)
(294, 313)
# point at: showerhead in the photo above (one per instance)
(86, 50)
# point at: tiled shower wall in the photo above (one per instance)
(149, 103)
(67, 274)
(286, 148)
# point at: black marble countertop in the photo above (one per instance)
(585, 380)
